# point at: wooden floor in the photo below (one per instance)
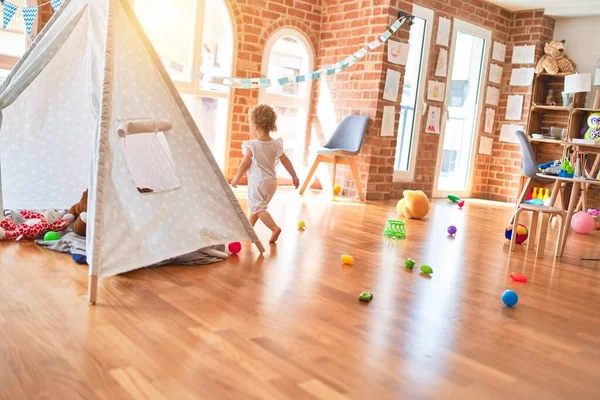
(290, 325)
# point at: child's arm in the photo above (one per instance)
(287, 164)
(243, 168)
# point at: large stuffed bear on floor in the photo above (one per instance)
(555, 59)
(35, 225)
(414, 205)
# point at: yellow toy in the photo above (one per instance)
(414, 205)
(301, 225)
(337, 189)
(347, 259)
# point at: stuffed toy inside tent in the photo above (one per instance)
(90, 106)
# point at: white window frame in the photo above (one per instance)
(428, 16)
(8, 62)
(486, 34)
(303, 102)
(192, 87)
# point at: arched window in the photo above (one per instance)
(197, 34)
(14, 40)
(288, 53)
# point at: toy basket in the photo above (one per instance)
(395, 229)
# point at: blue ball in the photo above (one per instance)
(510, 298)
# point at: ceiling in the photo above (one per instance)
(554, 8)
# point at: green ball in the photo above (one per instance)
(365, 296)
(50, 236)
(426, 269)
(409, 263)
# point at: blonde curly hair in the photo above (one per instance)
(264, 117)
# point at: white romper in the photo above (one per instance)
(262, 177)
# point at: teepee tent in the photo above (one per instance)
(91, 106)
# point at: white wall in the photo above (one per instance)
(582, 45)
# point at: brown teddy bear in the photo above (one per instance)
(555, 59)
(414, 205)
(79, 212)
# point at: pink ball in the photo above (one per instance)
(582, 222)
(235, 247)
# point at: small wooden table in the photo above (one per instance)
(578, 184)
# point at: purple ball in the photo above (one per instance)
(452, 230)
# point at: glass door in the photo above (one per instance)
(463, 105)
(411, 106)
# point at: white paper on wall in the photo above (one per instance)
(441, 69)
(522, 76)
(392, 85)
(436, 90)
(499, 52)
(508, 133)
(389, 119)
(490, 115)
(433, 120)
(523, 54)
(492, 96)
(578, 83)
(443, 33)
(514, 107)
(485, 145)
(398, 52)
(495, 73)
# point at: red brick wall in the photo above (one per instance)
(503, 169)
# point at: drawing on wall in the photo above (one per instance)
(435, 91)
(441, 69)
(392, 85)
(514, 107)
(398, 52)
(433, 120)
(389, 119)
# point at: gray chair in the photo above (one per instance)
(342, 148)
(529, 171)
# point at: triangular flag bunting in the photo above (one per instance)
(56, 4)
(9, 10)
(29, 14)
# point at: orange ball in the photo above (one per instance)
(337, 189)
(347, 259)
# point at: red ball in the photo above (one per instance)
(235, 247)
(461, 204)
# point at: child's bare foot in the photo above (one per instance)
(275, 235)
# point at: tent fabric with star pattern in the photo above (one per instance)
(90, 105)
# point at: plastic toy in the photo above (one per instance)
(510, 298)
(522, 233)
(535, 202)
(337, 189)
(409, 263)
(395, 229)
(426, 269)
(347, 259)
(452, 230)
(365, 296)
(453, 198)
(566, 170)
(593, 212)
(461, 204)
(583, 223)
(518, 277)
(593, 130)
(50, 236)
(302, 225)
(235, 247)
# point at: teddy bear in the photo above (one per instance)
(35, 224)
(555, 59)
(414, 205)
(79, 212)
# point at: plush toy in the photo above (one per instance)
(593, 127)
(414, 205)
(36, 225)
(79, 212)
(555, 59)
